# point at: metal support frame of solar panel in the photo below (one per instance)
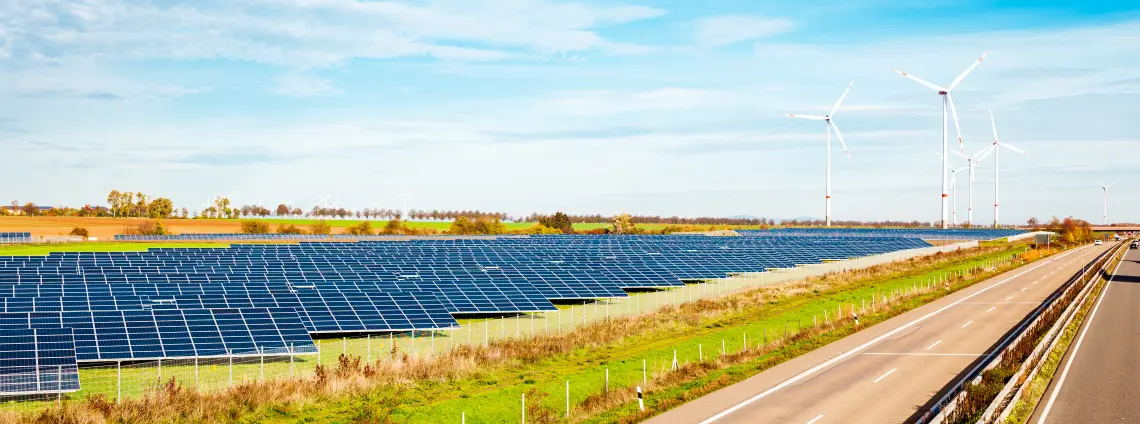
(37, 361)
(102, 336)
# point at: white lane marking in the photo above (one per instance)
(932, 346)
(991, 309)
(872, 342)
(921, 354)
(1076, 348)
(813, 420)
(881, 377)
(967, 324)
(1008, 298)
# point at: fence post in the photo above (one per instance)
(700, 353)
(524, 408)
(486, 331)
(230, 354)
(291, 359)
(745, 339)
(644, 374)
(119, 381)
(160, 370)
(195, 372)
(261, 372)
(318, 352)
(723, 348)
(369, 349)
(567, 398)
(607, 380)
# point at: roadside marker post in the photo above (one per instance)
(640, 400)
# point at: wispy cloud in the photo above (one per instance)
(723, 30)
(302, 85)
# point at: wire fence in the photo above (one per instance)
(126, 379)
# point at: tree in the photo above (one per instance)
(1033, 222)
(30, 209)
(185, 212)
(623, 224)
(558, 221)
(113, 200)
(320, 227)
(254, 227)
(282, 210)
(160, 208)
(361, 229)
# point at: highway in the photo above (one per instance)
(1097, 381)
(884, 373)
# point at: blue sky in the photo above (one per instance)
(653, 107)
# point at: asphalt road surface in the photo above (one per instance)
(884, 373)
(1099, 377)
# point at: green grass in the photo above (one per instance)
(44, 249)
(494, 395)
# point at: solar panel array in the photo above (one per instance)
(269, 299)
(919, 233)
(36, 361)
(15, 237)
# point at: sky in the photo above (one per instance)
(646, 107)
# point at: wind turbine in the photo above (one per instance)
(954, 192)
(1105, 188)
(830, 126)
(947, 102)
(997, 150)
(972, 161)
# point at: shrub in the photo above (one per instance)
(537, 229)
(290, 229)
(395, 226)
(254, 227)
(321, 228)
(558, 221)
(79, 231)
(146, 228)
(361, 229)
(481, 225)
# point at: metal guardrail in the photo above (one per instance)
(947, 401)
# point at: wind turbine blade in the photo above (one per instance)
(920, 81)
(840, 101)
(1110, 185)
(993, 124)
(811, 117)
(960, 154)
(967, 72)
(957, 128)
(1013, 148)
(984, 153)
(840, 135)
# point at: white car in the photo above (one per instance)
(1099, 242)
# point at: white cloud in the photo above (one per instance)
(302, 85)
(307, 33)
(723, 30)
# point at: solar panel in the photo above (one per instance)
(173, 333)
(37, 361)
